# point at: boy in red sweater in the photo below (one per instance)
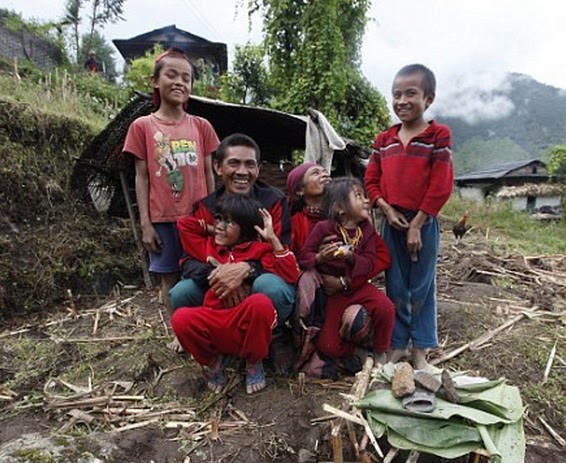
(214, 331)
(410, 177)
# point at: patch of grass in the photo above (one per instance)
(513, 230)
(33, 456)
(86, 97)
(41, 358)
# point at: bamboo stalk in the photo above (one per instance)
(131, 215)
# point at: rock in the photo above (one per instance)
(306, 456)
(427, 381)
(449, 388)
(403, 383)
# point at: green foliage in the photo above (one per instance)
(557, 163)
(140, 70)
(314, 61)
(104, 53)
(363, 112)
(81, 95)
(248, 82)
(205, 80)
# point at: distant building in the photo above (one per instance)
(524, 183)
(196, 47)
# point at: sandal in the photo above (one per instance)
(217, 376)
(255, 378)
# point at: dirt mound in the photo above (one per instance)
(49, 241)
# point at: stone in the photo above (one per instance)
(403, 383)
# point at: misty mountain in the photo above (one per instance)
(495, 120)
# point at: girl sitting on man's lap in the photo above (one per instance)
(212, 333)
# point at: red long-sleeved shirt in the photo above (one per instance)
(371, 256)
(417, 177)
(200, 246)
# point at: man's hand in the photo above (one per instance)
(237, 296)
(227, 279)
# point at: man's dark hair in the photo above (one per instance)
(429, 81)
(337, 195)
(236, 139)
(242, 210)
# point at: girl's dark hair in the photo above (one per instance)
(337, 196)
(242, 210)
(159, 63)
(429, 81)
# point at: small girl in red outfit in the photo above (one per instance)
(212, 333)
(353, 305)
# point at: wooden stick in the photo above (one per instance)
(139, 245)
(482, 339)
(549, 363)
(557, 437)
(413, 457)
(390, 455)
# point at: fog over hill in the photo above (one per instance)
(501, 118)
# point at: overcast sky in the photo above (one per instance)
(469, 45)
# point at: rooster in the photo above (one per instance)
(460, 228)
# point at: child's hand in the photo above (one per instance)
(396, 219)
(266, 232)
(414, 243)
(150, 239)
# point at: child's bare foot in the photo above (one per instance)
(379, 358)
(217, 375)
(175, 346)
(394, 355)
(255, 378)
(419, 359)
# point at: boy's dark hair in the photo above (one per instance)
(429, 81)
(236, 139)
(242, 210)
(336, 195)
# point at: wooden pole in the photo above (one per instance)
(139, 245)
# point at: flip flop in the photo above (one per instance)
(420, 401)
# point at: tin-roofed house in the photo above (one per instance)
(198, 48)
(524, 183)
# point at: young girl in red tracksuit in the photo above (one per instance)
(356, 257)
(213, 332)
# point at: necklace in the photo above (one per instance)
(346, 237)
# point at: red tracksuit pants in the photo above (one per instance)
(380, 309)
(243, 330)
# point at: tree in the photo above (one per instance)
(313, 48)
(557, 163)
(248, 82)
(102, 12)
(104, 53)
(72, 18)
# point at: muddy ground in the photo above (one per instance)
(93, 381)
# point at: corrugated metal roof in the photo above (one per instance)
(500, 170)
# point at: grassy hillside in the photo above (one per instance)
(511, 230)
(49, 242)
